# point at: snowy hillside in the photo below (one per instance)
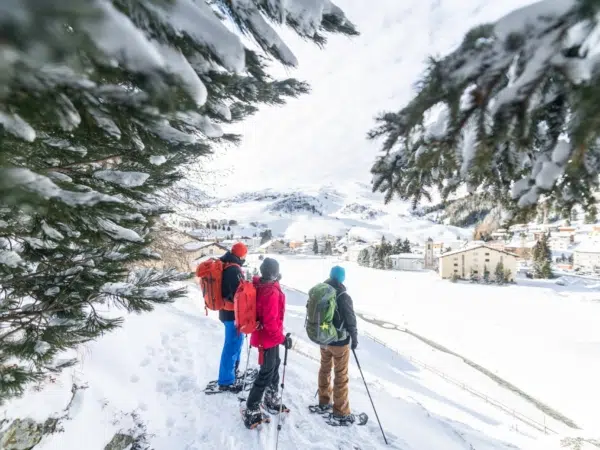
(144, 383)
(320, 138)
(336, 210)
(538, 335)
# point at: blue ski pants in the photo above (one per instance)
(230, 356)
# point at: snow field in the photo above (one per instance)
(152, 372)
(537, 335)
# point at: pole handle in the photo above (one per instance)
(285, 353)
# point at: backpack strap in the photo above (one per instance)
(337, 311)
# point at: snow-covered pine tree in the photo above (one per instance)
(513, 112)
(102, 104)
(406, 246)
(315, 247)
(499, 273)
(266, 236)
(397, 247)
(486, 274)
(542, 258)
(389, 264)
(364, 259)
(591, 214)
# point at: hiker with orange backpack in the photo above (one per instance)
(219, 280)
(270, 309)
(233, 261)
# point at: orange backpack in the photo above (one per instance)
(244, 306)
(210, 273)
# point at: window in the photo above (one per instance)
(455, 270)
(487, 254)
(487, 260)
(475, 272)
(455, 264)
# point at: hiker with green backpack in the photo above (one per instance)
(331, 323)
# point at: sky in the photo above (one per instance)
(320, 138)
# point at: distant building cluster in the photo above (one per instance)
(502, 253)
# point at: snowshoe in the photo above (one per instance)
(240, 384)
(214, 388)
(272, 402)
(345, 421)
(254, 418)
(321, 409)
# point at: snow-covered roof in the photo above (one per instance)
(519, 244)
(271, 242)
(407, 256)
(589, 246)
(475, 247)
(197, 245)
(563, 234)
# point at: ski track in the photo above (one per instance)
(158, 366)
(182, 355)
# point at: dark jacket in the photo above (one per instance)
(231, 280)
(344, 316)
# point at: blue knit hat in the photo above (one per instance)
(338, 274)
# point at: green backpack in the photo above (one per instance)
(320, 309)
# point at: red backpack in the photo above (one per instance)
(244, 307)
(210, 273)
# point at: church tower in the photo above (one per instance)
(429, 254)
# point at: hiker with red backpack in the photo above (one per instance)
(270, 309)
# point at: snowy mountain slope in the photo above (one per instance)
(320, 137)
(146, 380)
(335, 210)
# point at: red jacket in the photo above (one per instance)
(270, 308)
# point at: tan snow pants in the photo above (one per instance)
(338, 358)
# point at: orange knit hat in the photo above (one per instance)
(240, 250)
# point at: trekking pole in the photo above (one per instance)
(370, 398)
(241, 398)
(282, 388)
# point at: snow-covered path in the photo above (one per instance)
(153, 370)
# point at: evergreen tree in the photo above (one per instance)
(486, 274)
(570, 259)
(406, 246)
(591, 214)
(266, 236)
(492, 115)
(389, 264)
(499, 273)
(328, 248)
(364, 259)
(315, 247)
(542, 258)
(103, 106)
(397, 247)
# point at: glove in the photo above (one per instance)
(287, 343)
(354, 343)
